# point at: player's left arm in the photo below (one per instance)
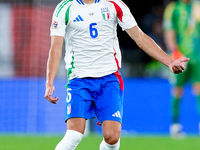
(153, 50)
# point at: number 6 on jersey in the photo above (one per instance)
(93, 31)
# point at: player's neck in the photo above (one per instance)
(88, 1)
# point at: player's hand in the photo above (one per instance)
(48, 94)
(177, 66)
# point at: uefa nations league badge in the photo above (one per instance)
(105, 13)
(54, 25)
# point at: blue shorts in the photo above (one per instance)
(95, 97)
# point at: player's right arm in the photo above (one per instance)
(53, 63)
(170, 33)
(170, 40)
(55, 53)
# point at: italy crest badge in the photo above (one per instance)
(105, 13)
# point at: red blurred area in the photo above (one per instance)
(31, 39)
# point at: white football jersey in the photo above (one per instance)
(92, 47)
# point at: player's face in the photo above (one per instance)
(186, 1)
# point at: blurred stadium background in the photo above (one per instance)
(24, 46)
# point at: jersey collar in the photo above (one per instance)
(97, 1)
(81, 2)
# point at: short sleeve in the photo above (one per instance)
(58, 21)
(125, 18)
(196, 11)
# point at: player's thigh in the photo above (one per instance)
(181, 79)
(109, 104)
(77, 124)
(79, 103)
(178, 81)
(111, 131)
(195, 72)
(195, 77)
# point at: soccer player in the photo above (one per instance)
(182, 37)
(93, 58)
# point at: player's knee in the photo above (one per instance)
(196, 88)
(76, 124)
(111, 137)
(178, 92)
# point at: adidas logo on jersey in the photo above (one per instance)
(117, 114)
(78, 19)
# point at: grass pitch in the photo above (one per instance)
(15, 142)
